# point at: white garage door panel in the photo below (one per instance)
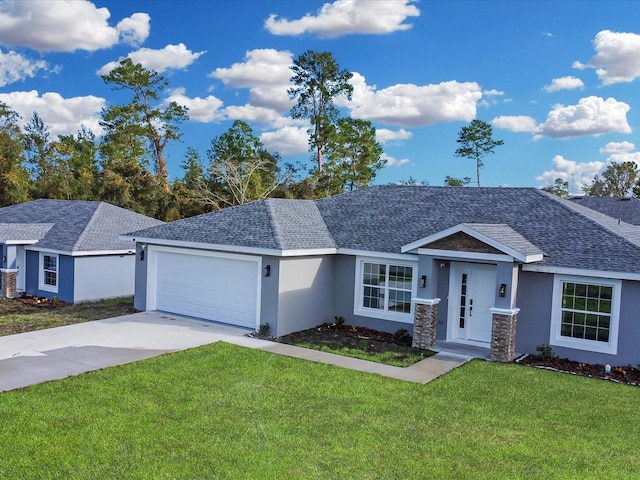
(220, 289)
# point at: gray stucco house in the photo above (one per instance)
(503, 268)
(68, 249)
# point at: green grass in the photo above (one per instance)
(386, 353)
(225, 412)
(16, 317)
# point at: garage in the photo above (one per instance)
(212, 286)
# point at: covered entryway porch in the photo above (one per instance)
(468, 276)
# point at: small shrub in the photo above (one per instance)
(264, 330)
(339, 320)
(545, 352)
(402, 337)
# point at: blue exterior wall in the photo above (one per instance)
(269, 297)
(65, 277)
(534, 322)
(140, 282)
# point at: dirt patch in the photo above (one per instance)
(626, 374)
(42, 302)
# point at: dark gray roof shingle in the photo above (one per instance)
(386, 218)
(72, 226)
(626, 209)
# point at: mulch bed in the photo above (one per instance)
(626, 374)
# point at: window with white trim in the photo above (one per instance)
(384, 289)
(48, 272)
(585, 313)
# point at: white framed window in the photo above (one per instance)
(48, 277)
(585, 313)
(384, 289)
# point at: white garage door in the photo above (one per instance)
(223, 289)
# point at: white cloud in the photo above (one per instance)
(288, 140)
(578, 174)
(384, 135)
(15, 67)
(266, 73)
(564, 83)
(394, 162)
(493, 93)
(62, 115)
(344, 17)
(591, 116)
(66, 26)
(411, 105)
(158, 60)
(621, 152)
(617, 58)
(135, 29)
(515, 123)
(252, 114)
(200, 109)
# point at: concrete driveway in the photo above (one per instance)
(36, 357)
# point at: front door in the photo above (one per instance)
(21, 265)
(472, 293)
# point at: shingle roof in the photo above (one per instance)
(385, 218)
(276, 224)
(71, 226)
(626, 209)
(507, 236)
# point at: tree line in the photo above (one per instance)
(127, 166)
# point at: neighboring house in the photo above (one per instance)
(68, 249)
(504, 268)
(626, 209)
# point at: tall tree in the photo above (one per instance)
(354, 156)
(618, 180)
(476, 142)
(159, 124)
(318, 81)
(14, 178)
(559, 188)
(241, 170)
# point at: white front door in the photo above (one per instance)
(472, 293)
(21, 265)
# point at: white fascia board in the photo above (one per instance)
(18, 242)
(308, 252)
(48, 250)
(478, 236)
(209, 246)
(581, 272)
(455, 255)
(391, 256)
(85, 253)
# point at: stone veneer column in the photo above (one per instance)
(9, 282)
(503, 334)
(425, 322)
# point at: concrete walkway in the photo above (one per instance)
(44, 355)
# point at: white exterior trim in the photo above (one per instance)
(581, 272)
(405, 257)
(455, 255)
(426, 301)
(505, 311)
(41, 285)
(272, 252)
(152, 260)
(85, 253)
(611, 347)
(18, 242)
(360, 310)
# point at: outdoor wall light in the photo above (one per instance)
(423, 281)
(141, 255)
(267, 271)
(503, 289)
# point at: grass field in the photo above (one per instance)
(223, 411)
(16, 317)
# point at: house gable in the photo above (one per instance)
(491, 241)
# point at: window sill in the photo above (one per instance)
(585, 345)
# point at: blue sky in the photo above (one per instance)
(557, 80)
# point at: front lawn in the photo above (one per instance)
(226, 412)
(16, 317)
